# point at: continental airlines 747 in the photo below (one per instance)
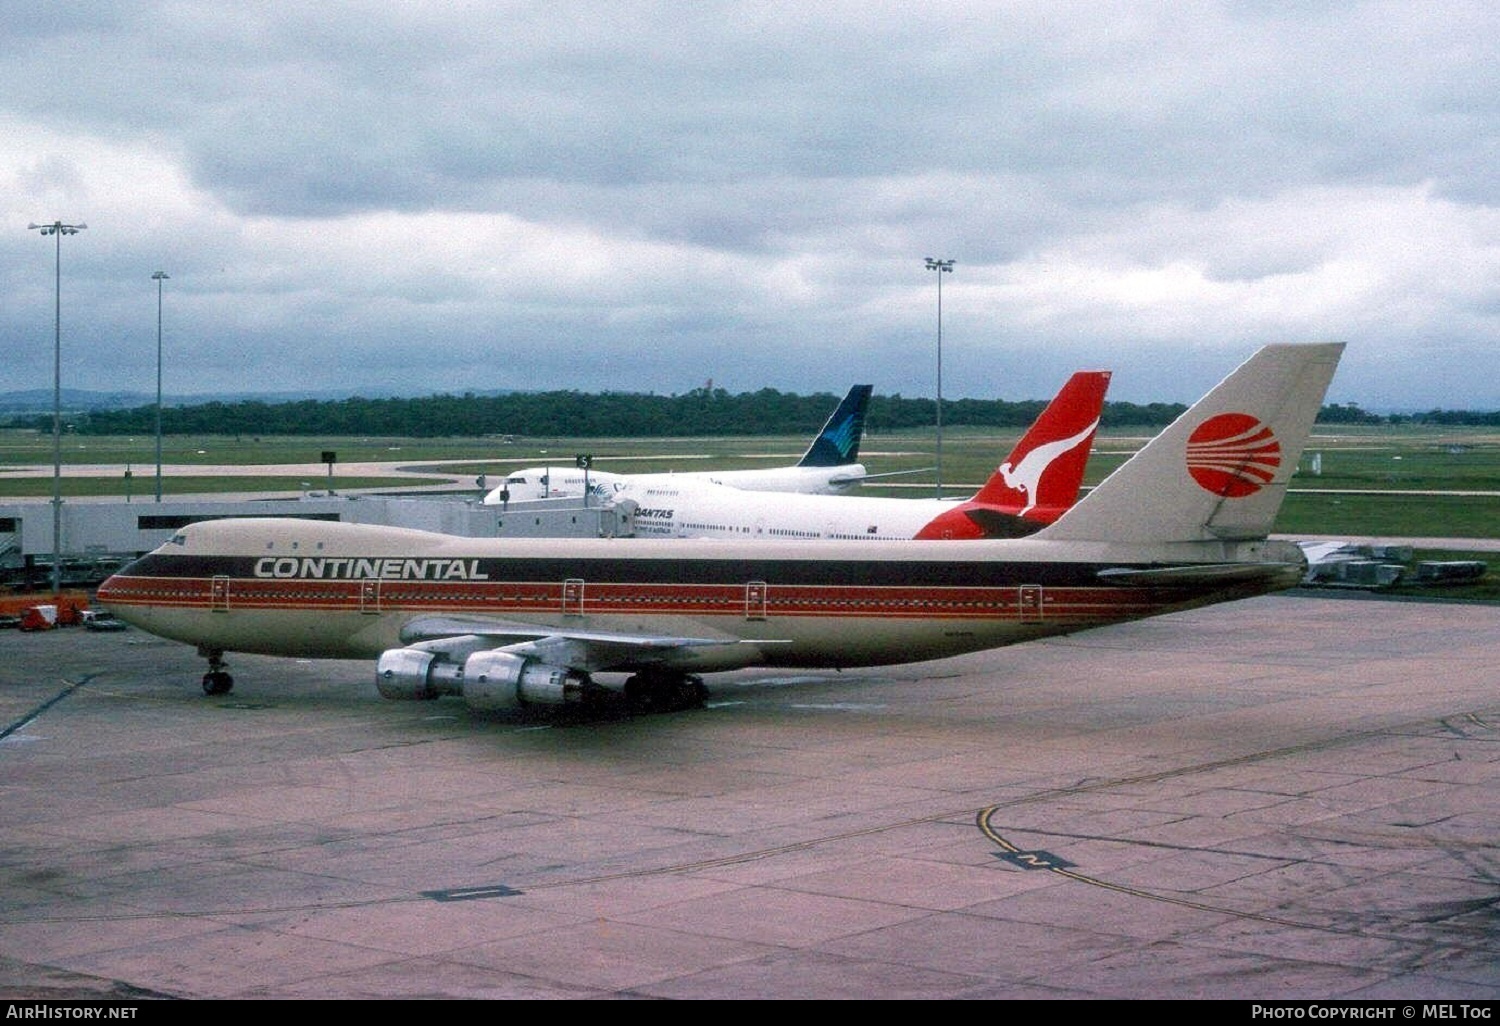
(1033, 486)
(828, 467)
(534, 622)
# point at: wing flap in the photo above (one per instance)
(588, 650)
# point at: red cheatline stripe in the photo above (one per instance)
(784, 601)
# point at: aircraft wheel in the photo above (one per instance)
(645, 693)
(217, 682)
(640, 695)
(691, 693)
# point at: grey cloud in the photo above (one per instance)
(539, 190)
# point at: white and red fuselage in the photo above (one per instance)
(349, 591)
(1033, 486)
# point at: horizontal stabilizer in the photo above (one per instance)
(841, 479)
(1198, 573)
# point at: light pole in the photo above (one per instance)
(942, 267)
(57, 229)
(158, 277)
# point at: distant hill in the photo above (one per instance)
(39, 400)
(76, 400)
(564, 414)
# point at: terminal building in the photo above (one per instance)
(99, 537)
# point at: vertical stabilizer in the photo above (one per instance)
(838, 443)
(1041, 477)
(1220, 471)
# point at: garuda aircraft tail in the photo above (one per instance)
(1220, 471)
(837, 444)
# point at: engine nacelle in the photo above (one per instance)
(503, 680)
(404, 674)
(488, 680)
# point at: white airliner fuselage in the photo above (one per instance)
(250, 585)
(1036, 482)
(682, 509)
(550, 482)
(828, 467)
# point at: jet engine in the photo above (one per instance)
(488, 681)
(504, 680)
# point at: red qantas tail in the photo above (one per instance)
(1041, 477)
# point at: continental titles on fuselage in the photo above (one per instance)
(390, 568)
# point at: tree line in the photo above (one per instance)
(577, 414)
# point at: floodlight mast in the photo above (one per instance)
(158, 277)
(57, 229)
(942, 267)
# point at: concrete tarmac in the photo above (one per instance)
(1289, 797)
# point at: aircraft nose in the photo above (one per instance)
(121, 594)
(108, 591)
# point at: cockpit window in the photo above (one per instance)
(178, 539)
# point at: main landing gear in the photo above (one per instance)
(217, 680)
(664, 691)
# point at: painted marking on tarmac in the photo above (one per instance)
(472, 893)
(24, 721)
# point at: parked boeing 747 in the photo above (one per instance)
(1032, 487)
(536, 622)
(829, 466)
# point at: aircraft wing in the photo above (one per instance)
(584, 650)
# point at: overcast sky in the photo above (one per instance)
(411, 198)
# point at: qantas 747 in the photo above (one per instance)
(517, 622)
(1033, 486)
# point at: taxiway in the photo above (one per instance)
(1289, 797)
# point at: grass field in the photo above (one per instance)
(1429, 484)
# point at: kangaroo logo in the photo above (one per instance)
(1233, 455)
(1026, 475)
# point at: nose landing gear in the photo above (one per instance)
(217, 680)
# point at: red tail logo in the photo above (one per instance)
(1233, 455)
